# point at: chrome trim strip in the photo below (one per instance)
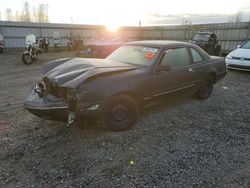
(146, 98)
(45, 108)
(163, 93)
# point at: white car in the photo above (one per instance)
(239, 59)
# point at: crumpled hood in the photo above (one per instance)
(240, 52)
(72, 72)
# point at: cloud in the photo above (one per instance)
(159, 19)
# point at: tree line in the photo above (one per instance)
(28, 14)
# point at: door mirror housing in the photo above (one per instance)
(163, 68)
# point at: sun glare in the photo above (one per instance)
(112, 28)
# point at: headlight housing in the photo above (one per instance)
(229, 56)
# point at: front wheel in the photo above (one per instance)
(27, 59)
(205, 90)
(119, 113)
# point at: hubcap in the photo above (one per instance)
(119, 112)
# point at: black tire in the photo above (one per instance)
(26, 59)
(205, 90)
(1, 49)
(119, 113)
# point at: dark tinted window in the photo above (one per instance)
(176, 58)
(196, 56)
(201, 37)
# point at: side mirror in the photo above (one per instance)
(238, 46)
(163, 68)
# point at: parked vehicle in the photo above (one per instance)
(31, 52)
(57, 41)
(77, 43)
(239, 59)
(102, 47)
(1, 43)
(44, 44)
(208, 42)
(114, 89)
(70, 45)
(57, 45)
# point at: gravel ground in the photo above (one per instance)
(180, 143)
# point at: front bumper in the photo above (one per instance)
(47, 107)
(238, 64)
(51, 107)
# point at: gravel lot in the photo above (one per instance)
(180, 143)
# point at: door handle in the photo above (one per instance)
(190, 69)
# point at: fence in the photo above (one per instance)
(15, 32)
(229, 34)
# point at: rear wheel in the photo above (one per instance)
(119, 113)
(205, 90)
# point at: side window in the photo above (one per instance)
(196, 56)
(176, 58)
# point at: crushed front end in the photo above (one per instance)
(43, 104)
(51, 101)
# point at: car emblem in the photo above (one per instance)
(242, 59)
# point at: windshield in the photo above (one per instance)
(246, 45)
(201, 37)
(136, 55)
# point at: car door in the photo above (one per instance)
(178, 77)
(198, 66)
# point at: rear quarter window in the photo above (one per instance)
(197, 58)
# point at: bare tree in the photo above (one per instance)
(39, 14)
(27, 17)
(34, 14)
(42, 13)
(238, 17)
(22, 16)
(8, 14)
(186, 21)
(17, 16)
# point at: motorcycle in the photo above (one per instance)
(57, 41)
(70, 45)
(44, 44)
(31, 52)
(57, 45)
(1, 43)
(78, 43)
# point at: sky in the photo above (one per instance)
(129, 12)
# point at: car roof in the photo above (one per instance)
(159, 43)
